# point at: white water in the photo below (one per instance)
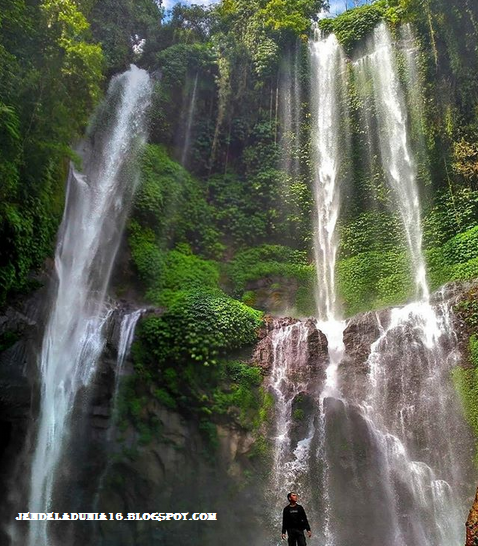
(385, 470)
(291, 350)
(327, 69)
(127, 329)
(415, 353)
(397, 157)
(96, 204)
(189, 123)
(290, 95)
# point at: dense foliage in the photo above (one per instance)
(50, 78)
(222, 221)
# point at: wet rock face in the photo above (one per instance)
(316, 346)
(472, 524)
(274, 295)
(361, 331)
(20, 332)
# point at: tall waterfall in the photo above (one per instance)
(127, 329)
(96, 205)
(397, 157)
(328, 65)
(371, 457)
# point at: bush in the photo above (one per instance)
(266, 261)
(373, 280)
(200, 327)
(172, 204)
(354, 25)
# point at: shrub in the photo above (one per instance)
(200, 327)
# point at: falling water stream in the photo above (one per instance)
(127, 329)
(189, 122)
(96, 205)
(383, 470)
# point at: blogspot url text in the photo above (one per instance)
(118, 516)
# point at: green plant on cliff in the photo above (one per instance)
(353, 26)
(239, 393)
(200, 326)
(466, 383)
(50, 78)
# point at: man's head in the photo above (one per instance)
(292, 497)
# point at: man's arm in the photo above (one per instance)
(284, 520)
(306, 523)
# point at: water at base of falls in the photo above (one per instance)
(368, 453)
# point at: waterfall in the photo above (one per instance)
(328, 65)
(290, 357)
(126, 338)
(415, 353)
(97, 202)
(189, 123)
(383, 456)
(127, 329)
(395, 148)
(290, 95)
(298, 358)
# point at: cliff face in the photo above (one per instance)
(113, 465)
(472, 524)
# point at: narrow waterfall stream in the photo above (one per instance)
(328, 65)
(290, 97)
(189, 123)
(96, 205)
(374, 464)
(128, 326)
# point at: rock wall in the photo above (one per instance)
(109, 468)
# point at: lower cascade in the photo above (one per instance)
(386, 461)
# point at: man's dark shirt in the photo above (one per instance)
(293, 517)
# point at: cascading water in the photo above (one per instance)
(289, 106)
(384, 471)
(126, 338)
(408, 400)
(287, 381)
(96, 205)
(127, 329)
(328, 65)
(293, 459)
(395, 148)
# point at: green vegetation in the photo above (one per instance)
(353, 26)
(50, 78)
(466, 383)
(200, 326)
(217, 215)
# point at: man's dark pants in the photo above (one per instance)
(295, 537)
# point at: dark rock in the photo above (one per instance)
(472, 524)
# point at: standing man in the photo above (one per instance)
(294, 521)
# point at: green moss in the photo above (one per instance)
(473, 347)
(200, 326)
(163, 396)
(261, 449)
(466, 383)
(456, 260)
(8, 339)
(172, 204)
(372, 280)
(266, 261)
